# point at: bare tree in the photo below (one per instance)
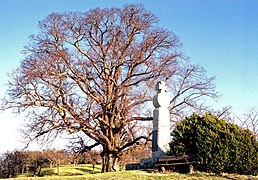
(12, 164)
(225, 113)
(93, 73)
(190, 87)
(250, 121)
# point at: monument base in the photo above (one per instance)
(147, 163)
(157, 154)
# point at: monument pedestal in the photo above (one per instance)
(161, 122)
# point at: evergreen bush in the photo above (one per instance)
(220, 146)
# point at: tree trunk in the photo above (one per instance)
(58, 169)
(108, 162)
(51, 164)
(93, 166)
(23, 167)
(39, 170)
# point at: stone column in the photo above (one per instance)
(161, 122)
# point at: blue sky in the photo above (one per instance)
(221, 36)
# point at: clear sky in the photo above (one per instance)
(221, 36)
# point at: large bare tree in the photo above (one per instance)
(189, 88)
(94, 73)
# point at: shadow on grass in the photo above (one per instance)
(70, 174)
(89, 169)
(46, 172)
(63, 172)
(85, 170)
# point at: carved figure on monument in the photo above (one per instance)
(161, 122)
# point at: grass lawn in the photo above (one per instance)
(83, 172)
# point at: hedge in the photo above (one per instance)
(220, 146)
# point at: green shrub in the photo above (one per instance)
(220, 146)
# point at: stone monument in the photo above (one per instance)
(161, 122)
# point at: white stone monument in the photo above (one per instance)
(161, 122)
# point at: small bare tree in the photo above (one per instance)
(94, 73)
(250, 121)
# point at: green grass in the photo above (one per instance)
(125, 175)
(83, 172)
(69, 170)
